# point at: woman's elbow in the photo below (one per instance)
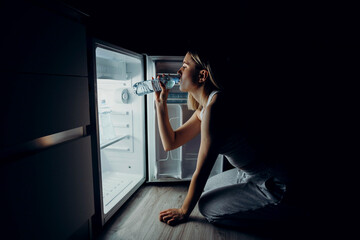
(168, 147)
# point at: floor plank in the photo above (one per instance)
(138, 218)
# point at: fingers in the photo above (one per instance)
(162, 85)
(167, 220)
(172, 221)
(170, 217)
(162, 215)
(165, 215)
(161, 96)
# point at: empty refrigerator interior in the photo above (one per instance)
(121, 125)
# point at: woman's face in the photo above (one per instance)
(188, 74)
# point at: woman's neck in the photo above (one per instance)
(198, 95)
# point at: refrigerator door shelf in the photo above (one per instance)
(115, 187)
(112, 141)
(111, 66)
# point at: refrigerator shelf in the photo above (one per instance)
(166, 74)
(112, 141)
(115, 186)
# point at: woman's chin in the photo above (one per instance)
(181, 88)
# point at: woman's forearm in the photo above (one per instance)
(196, 188)
(206, 160)
(167, 134)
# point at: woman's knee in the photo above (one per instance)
(210, 211)
(201, 205)
(204, 205)
(209, 206)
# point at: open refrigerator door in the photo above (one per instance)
(120, 125)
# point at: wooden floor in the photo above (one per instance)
(138, 219)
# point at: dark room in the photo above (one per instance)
(142, 119)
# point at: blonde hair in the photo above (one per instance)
(209, 86)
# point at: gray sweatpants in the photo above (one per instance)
(234, 198)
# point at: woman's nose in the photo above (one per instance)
(179, 71)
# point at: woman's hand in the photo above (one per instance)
(162, 96)
(173, 216)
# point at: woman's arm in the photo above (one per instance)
(207, 156)
(173, 139)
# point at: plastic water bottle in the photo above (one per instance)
(107, 132)
(149, 86)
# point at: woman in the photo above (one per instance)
(251, 189)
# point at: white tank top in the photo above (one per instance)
(212, 94)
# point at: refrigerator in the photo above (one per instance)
(127, 148)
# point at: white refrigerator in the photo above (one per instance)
(127, 149)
